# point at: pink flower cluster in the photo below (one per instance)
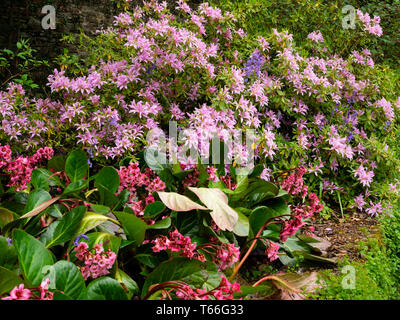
(21, 168)
(97, 263)
(226, 255)
(224, 291)
(364, 176)
(370, 25)
(271, 250)
(40, 293)
(316, 36)
(299, 214)
(139, 185)
(178, 243)
(294, 183)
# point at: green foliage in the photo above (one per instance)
(18, 65)
(377, 278)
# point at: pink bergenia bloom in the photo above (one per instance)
(19, 293)
(272, 251)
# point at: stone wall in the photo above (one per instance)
(22, 18)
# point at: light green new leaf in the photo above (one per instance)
(215, 200)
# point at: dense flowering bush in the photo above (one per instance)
(315, 110)
(314, 121)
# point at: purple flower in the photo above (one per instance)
(76, 242)
(9, 241)
(254, 64)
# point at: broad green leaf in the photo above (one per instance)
(66, 227)
(242, 184)
(108, 240)
(161, 224)
(8, 255)
(76, 186)
(177, 202)
(100, 209)
(134, 227)
(108, 178)
(215, 200)
(40, 208)
(106, 288)
(92, 220)
(8, 280)
(76, 166)
(36, 198)
(39, 180)
(6, 216)
(32, 256)
(259, 216)
(242, 226)
(175, 269)
(130, 286)
(154, 209)
(66, 277)
(260, 190)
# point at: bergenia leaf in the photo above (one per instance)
(217, 201)
(178, 202)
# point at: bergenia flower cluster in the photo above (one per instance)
(176, 242)
(224, 291)
(97, 262)
(39, 293)
(20, 168)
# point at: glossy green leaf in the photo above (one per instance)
(154, 209)
(32, 256)
(76, 165)
(175, 269)
(161, 224)
(36, 198)
(108, 178)
(106, 288)
(8, 280)
(91, 220)
(134, 227)
(128, 284)
(6, 216)
(8, 255)
(66, 277)
(65, 229)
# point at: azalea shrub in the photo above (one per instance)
(113, 234)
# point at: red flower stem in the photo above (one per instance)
(256, 238)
